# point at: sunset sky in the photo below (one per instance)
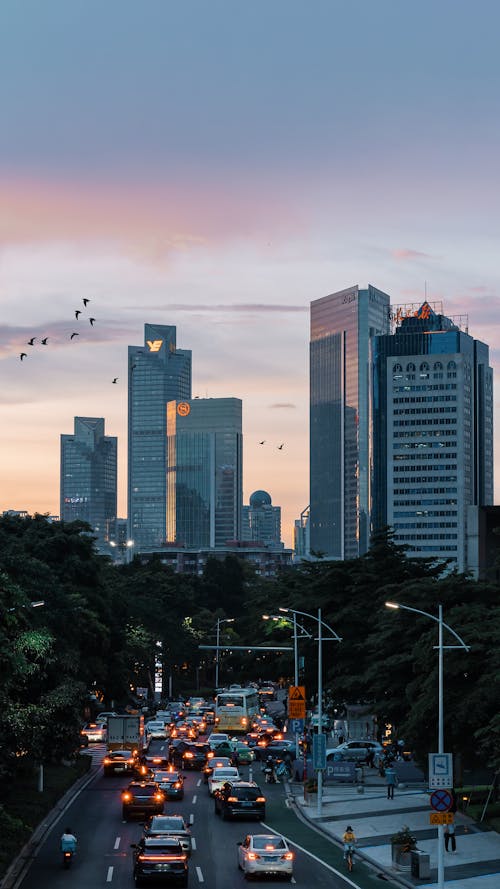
(217, 165)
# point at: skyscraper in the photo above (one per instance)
(157, 373)
(205, 459)
(88, 476)
(261, 520)
(433, 433)
(342, 325)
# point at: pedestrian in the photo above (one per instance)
(370, 758)
(449, 835)
(390, 780)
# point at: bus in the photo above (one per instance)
(235, 709)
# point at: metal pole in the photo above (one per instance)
(296, 673)
(217, 656)
(440, 855)
(320, 707)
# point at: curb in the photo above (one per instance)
(20, 864)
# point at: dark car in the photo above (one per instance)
(208, 715)
(217, 762)
(276, 749)
(157, 754)
(118, 762)
(195, 755)
(170, 826)
(142, 798)
(240, 799)
(171, 783)
(159, 860)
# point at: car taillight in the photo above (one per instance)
(288, 856)
(130, 762)
(157, 760)
(188, 755)
(159, 796)
(252, 856)
(232, 799)
(260, 799)
(177, 784)
(126, 797)
(210, 754)
(106, 761)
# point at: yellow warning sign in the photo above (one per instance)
(297, 702)
(441, 818)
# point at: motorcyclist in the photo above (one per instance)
(269, 770)
(68, 841)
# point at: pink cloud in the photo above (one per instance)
(406, 253)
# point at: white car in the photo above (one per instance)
(220, 776)
(155, 729)
(217, 738)
(264, 853)
(356, 750)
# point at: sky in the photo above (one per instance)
(218, 165)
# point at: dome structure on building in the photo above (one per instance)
(259, 499)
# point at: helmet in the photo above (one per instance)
(349, 828)
(67, 830)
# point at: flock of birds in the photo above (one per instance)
(279, 447)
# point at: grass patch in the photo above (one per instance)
(491, 818)
(22, 807)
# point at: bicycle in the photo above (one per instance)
(284, 771)
(349, 857)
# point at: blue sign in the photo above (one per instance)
(441, 801)
(340, 771)
(296, 726)
(319, 752)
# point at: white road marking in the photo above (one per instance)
(198, 783)
(193, 844)
(315, 857)
(191, 817)
(110, 875)
(293, 880)
(199, 875)
(117, 843)
(194, 799)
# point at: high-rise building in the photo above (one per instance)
(301, 543)
(433, 433)
(342, 326)
(88, 477)
(261, 520)
(158, 372)
(204, 474)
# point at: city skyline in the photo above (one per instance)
(217, 167)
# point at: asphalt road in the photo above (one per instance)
(104, 856)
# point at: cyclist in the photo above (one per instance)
(349, 841)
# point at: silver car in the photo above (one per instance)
(265, 853)
(220, 776)
(356, 750)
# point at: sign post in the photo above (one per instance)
(297, 702)
(441, 770)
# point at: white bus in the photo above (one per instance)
(235, 709)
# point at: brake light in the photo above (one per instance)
(210, 754)
(260, 799)
(157, 760)
(188, 755)
(126, 797)
(288, 856)
(177, 784)
(232, 799)
(252, 856)
(159, 796)
(106, 761)
(129, 761)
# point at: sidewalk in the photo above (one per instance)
(374, 819)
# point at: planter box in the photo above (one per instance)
(401, 857)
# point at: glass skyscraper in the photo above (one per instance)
(205, 460)
(261, 520)
(432, 433)
(342, 325)
(157, 373)
(88, 477)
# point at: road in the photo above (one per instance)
(105, 859)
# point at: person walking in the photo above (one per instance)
(390, 780)
(449, 837)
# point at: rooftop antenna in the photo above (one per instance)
(425, 290)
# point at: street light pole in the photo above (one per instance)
(440, 647)
(225, 620)
(304, 633)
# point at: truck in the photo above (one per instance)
(126, 733)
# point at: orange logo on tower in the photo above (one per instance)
(183, 409)
(154, 345)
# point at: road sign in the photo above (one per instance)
(441, 770)
(441, 800)
(297, 702)
(441, 818)
(296, 726)
(319, 752)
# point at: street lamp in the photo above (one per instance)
(320, 639)
(125, 548)
(220, 620)
(37, 604)
(440, 647)
(303, 635)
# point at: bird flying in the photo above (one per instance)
(77, 313)
(74, 334)
(23, 355)
(85, 300)
(262, 442)
(115, 380)
(280, 447)
(31, 342)
(91, 321)
(44, 341)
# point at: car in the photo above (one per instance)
(217, 762)
(217, 738)
(96, 732)
(208, 714)
(142, 798)
(170, 782)
(170, 826)
(183, 730)
(157, 753)
(276, 749)
(117, 762)
(159, 860)
(357, 750)
(240, 799)
(220, 776)
(265, 853)
(196, 755)
(242, 753)
(156, 728)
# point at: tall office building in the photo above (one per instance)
(88, 477)
(433, 433)
(158, 372)
(261, 520)
(205, 459)
(342, 326)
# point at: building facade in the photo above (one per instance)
(432, 434)
(158, 372)
(205, 471)
(261, 520)
(342, 327)
(89, 477)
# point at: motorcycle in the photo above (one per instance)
(270, 777)
(67, 858)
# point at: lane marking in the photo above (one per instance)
(110, 875)
(193, 844)
(198, 783)
(315, 857)
(199, 875)
(191, 817)
(194, 799)
(293, 880)
(117, 843)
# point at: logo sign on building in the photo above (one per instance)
(440, 770)
(154, 345)
(297, 702)
(319, 752)
(183, 408)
